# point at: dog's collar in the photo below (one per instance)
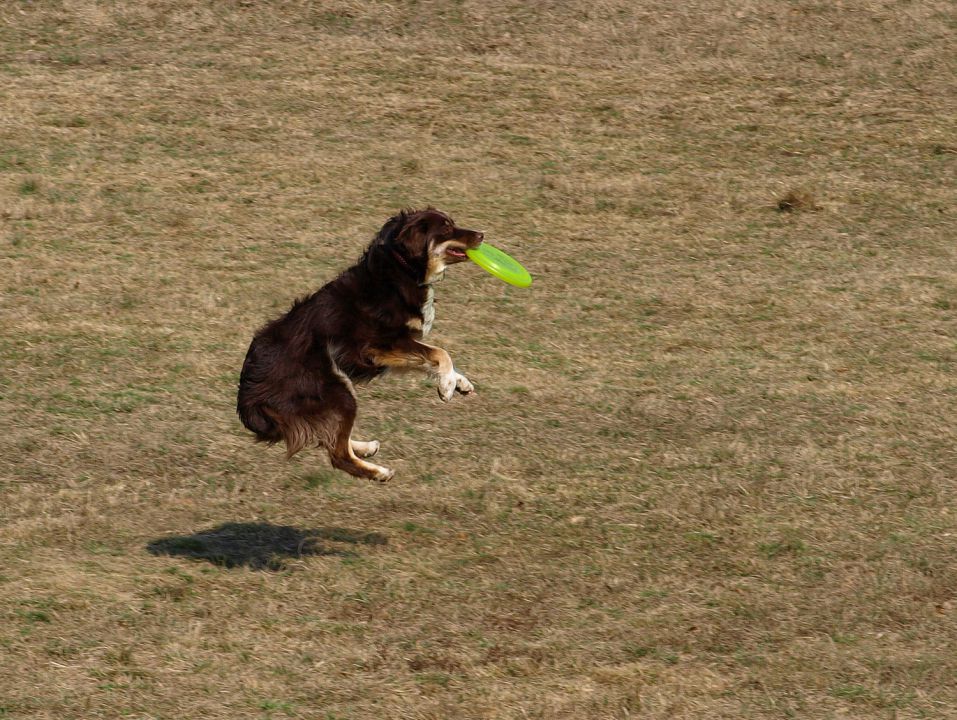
(403, 262)
(408, 268)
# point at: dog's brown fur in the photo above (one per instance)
(297, 381)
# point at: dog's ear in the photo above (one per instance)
(390, 231)
(414, 237)
(408, 233)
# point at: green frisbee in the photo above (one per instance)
(503, 266)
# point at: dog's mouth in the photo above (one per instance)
(454, 253)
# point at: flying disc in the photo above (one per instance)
(501, 265)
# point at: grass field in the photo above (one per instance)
(710, 470)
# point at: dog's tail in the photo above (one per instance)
(275, 413)
(270, 427)
(256, 419)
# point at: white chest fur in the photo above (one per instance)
(428, 311)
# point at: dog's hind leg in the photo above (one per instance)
(345, 458)
(343, 450)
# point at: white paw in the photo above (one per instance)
(384, 474)
(365, 449)
(463, 385)
(447, 385)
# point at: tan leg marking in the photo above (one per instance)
(414, 354)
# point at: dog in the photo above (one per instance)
(298, 380)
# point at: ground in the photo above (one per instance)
(709, 470)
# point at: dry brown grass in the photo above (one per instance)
(710, 469)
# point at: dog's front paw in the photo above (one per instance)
(364, 449)
(452, 383)
(447, 385)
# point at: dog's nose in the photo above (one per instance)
(480, 236)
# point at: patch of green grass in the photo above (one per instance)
(638, 652)
(35, 615)
(414, 528)
(434, 678)
(790, 546)
(333, 20)
(37, 610)
(99, 548)
(126, 400)
(703, 537)
(70, 59)
(850, 692)
(271, 706)
(13, 160)
(320, 479)
(72, 121)
(30, 186)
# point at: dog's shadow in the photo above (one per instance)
(262, 546)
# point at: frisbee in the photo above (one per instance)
(501, 265)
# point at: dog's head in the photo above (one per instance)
(425, 242)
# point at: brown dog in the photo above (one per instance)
(297, 381)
